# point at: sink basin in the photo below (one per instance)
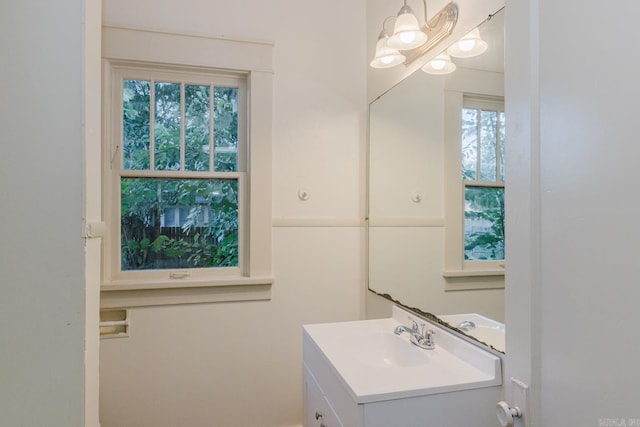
(375, 364)
(384, 349)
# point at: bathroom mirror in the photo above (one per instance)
(407, 187)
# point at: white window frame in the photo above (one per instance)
(455, 264)
(119, 73)
(162, 54)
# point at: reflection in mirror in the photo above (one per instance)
(416, 210)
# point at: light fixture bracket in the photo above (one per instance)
(438, 28)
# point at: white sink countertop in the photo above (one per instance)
(375, 364)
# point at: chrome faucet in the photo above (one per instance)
(466, 326)
(417, 335)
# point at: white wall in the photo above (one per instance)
(46, 79)
(572, 299)
(240, 364)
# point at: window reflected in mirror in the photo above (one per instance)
(482, 154)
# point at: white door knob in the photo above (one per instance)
(506, 414)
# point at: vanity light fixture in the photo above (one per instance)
(468, 46)
(441, 64)
(407, 34)
(414, 41)
(386, 56)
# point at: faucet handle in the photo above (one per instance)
(422, 326)
(414, 324)
(418, 328)
(429, 337)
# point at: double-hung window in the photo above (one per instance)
(482, 161)
(186, 169)
(476, 182)
(178, 174)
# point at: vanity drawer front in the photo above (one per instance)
(317, 411)
(349, 413)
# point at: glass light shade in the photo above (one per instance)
(385, 56)
(406, 32)
(468, 46)
(441, 64)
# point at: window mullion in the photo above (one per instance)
(211, 146)
(498, 144)
(173, 174)
(491, 184)
(182, 128)
(478, 144)
(152, 125)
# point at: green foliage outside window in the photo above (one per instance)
(207, 234)
(484, 206)
(483, 136)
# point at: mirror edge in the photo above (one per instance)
(435, 319)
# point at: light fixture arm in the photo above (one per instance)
(427, 25)
(438, 28)
(426, 15)
(405, 8)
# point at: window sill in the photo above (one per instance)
(468, 280)
(472, 273)
(136, 294)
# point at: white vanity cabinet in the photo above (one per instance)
(317, 408)
(356, 391)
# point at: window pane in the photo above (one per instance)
(136, 102)
(169, 217)
(484, 223)
(196, 132)
(225, 129)
(167, 126)
(206, 234)
(469, 143)
(488, 136)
